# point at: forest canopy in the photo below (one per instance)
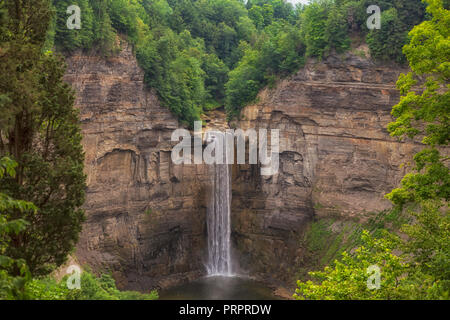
(202, 54)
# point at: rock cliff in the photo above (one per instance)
(145, 216)
(336, 158)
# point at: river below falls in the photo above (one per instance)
(219, 288)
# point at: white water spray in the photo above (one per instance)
(219, 221)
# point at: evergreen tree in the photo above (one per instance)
(386, 43)
(40, 130)
(72, 39)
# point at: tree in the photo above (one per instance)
(244, 82)
(279, 50)
(348, 278)
(386, 43)
(314, 26)
(256, 14)
(421, 269)
(423, 110)
(14, 273)
(427, 242)
(105, 35)
(91, 288)
(216, 75)
(125, 17)
(337, 33)
(419, 272)
(40, 130)
(398, 17)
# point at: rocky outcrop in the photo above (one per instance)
(145, 216)
(336, 158)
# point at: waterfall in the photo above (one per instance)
(218, 221)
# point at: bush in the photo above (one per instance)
(92, 288)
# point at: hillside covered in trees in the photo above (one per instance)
(200, 54)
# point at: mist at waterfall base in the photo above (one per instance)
(221, 283)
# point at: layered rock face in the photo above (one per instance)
(145, 216)
(336, 158)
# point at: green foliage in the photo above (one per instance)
(417, 270)
(91, 288)
(15, 276)
(278, 50)
(423, 109)
(347, 279)
(386, 44)
(397, 19)
(186, 48)
(126, 17)
(14, 273)
(105, 35)
(96, 26)
(192, 52)
(245, 82)
(216, 75)
(39, 128)
(70, 40)
(327, 25)
(428, 244)
(325, 239)
(420, 267)
(336, 32)
(314, 24)
(173, 65)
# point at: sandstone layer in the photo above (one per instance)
(145, 216)
(336, 158)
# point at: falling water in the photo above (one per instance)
(218, 221)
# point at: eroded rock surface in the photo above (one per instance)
(145, 216)
(336, 158)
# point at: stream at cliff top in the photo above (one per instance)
(219, 288)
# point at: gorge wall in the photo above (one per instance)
(336, 158)
(146, 217)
